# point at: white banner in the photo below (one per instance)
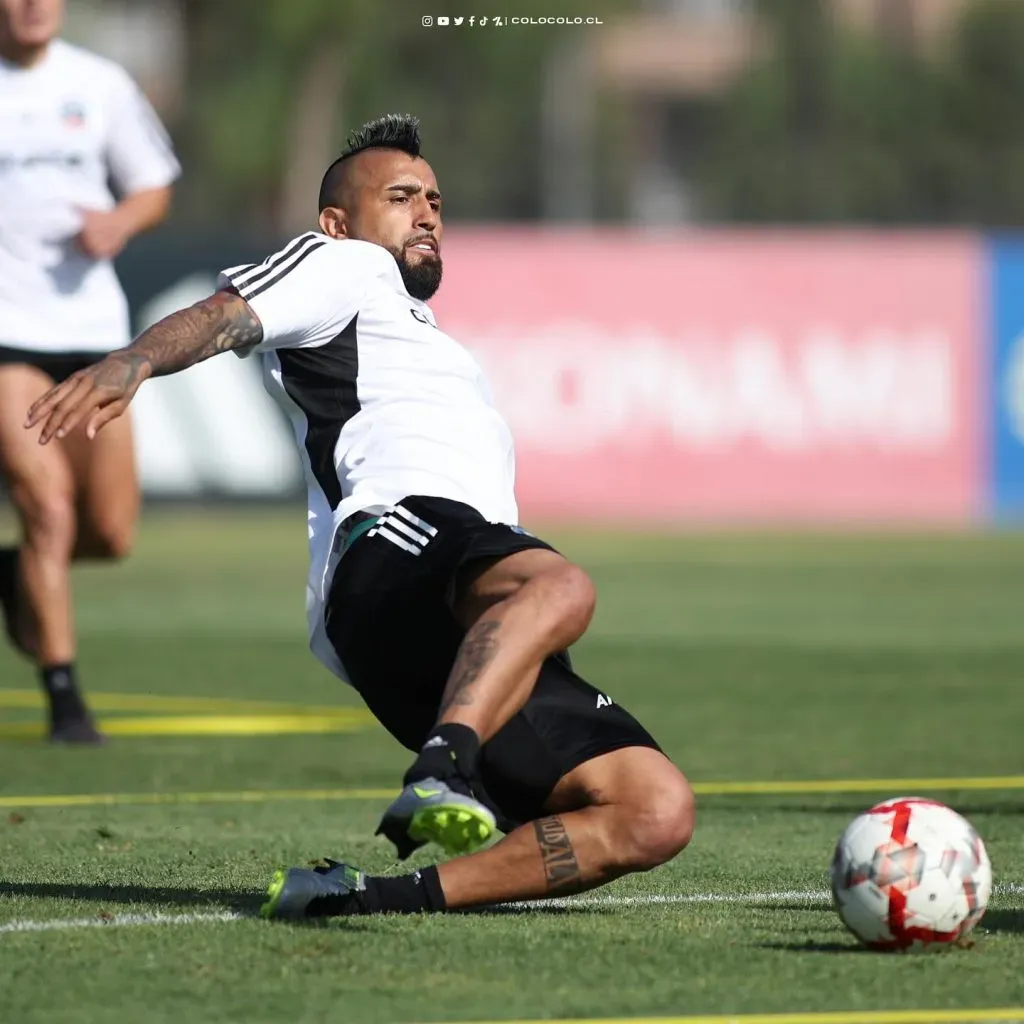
(213, 429)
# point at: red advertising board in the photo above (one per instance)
(729, 376)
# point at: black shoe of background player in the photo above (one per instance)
(71, 722)
(10, 600)
(77, 732)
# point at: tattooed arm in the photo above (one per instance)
(222, 322)
(103, 391)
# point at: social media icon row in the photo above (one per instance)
(443, 20)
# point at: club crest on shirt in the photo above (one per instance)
(72, 114)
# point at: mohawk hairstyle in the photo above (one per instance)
(391, 131)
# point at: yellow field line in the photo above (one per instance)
(182, 705)
(901, 787)
(1011, 1015)
(254, 796)
(892, 786)
(209, 725)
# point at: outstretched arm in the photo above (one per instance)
(103, 391)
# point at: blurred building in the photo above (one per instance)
(676, 55)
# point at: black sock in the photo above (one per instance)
(450, 751)
(409, 894)
(61, 687)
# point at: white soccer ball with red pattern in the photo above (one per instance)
(910, 874)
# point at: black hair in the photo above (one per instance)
(391, 131)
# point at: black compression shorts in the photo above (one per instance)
(57, 365)
(389, 618)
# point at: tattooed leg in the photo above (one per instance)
(477, 651)
(561, 869)
(555, 856)
(517, 612)
(633, 811)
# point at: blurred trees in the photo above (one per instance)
(838, 127)
(831, 127)
(259, 70)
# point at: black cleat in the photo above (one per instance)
(79, 731)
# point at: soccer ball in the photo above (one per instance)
(910, 874)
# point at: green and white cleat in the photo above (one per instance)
(430, 811)
(332, 889)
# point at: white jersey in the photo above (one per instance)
(68, 125)
(384, 404)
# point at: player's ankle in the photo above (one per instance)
(61, 685)
(450, 751)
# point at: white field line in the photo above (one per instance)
(118, 921)
(207, 917)
(221, 916)
(782, 896)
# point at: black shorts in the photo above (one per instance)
(389, 618)
(58, 365)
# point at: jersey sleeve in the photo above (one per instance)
(303, 295)
(139, 152)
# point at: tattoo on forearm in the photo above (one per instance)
(222, 322)
(561, 869)
(477, 651)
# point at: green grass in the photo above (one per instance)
(750, 657)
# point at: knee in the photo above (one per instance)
(660, 827)
(48, 514)
(571, 598)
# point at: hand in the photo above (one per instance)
(102, 235)
(97, 395)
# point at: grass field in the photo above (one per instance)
(753, 660)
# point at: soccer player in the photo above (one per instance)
(69, 123)
(450, 620)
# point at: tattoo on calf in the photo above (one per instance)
(477, 651)
(561, 868)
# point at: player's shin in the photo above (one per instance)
(557, 855)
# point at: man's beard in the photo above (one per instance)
(421, 279)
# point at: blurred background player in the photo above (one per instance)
(71, 123)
